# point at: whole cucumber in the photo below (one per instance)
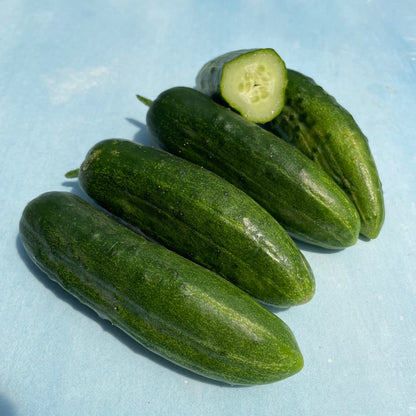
(172, 306)
(199, 215)
(317, 125)
(300, 195)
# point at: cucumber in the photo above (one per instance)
(251, 81)
(298, 194)
(199, 215)
(316, 124)
(169, 304)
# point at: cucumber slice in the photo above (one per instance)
(251, 81)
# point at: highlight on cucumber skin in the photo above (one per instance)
(253, 82)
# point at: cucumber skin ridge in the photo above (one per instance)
(296, 192)
(197, 214)
(174, 307)
(315, 123)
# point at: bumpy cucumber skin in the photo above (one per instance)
(209, 78)
(299, 194)
(172, 306)
(316, 124)
(199, 215)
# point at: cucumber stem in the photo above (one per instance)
(144, 100)
(72, 174)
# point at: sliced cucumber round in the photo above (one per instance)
(251, 81)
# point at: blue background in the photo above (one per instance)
(69, 72)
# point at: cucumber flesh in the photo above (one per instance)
(252, 82)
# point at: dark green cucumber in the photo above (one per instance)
(326, 132)
(199, 215)
(299, 194)
(252, 81)
(172, 306)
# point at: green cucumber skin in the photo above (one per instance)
(298, 194)
(172, 306)
(199, 215)
(316, 124)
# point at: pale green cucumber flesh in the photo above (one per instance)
(252, 82)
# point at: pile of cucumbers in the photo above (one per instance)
(183, 245)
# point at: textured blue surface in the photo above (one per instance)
(69, 72)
